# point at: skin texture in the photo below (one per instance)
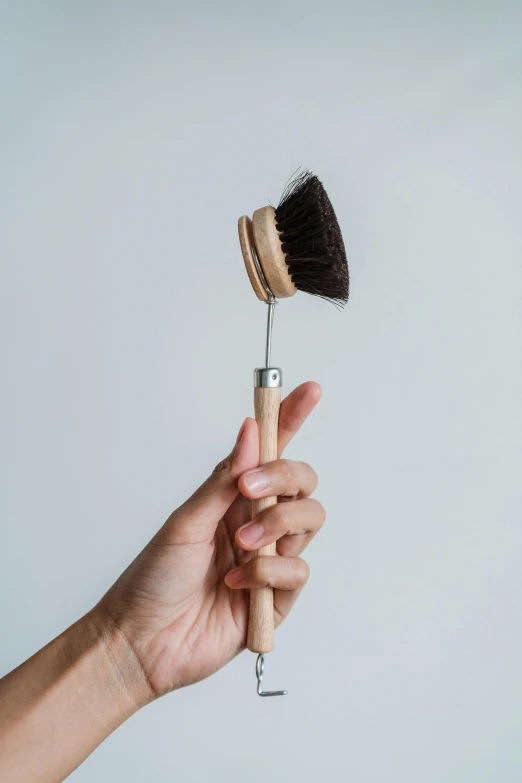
(177, 614)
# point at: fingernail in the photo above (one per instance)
(256, 480)
(251, 533)
(233, 577)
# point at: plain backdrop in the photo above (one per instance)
(133, 135)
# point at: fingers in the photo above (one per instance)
(281, 573)
(282, 478)
(287, 575)
(295, 409)
(197, 518)
(292, 525)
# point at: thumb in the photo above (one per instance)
(196, 520)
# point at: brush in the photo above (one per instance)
(297, 246)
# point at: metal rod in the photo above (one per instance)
(269, 327)
(271, 301)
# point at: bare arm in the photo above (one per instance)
(58, 706)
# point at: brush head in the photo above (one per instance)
(298, 245)
(311, 239)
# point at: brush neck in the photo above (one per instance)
(268, 378)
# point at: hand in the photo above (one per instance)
(181, 605)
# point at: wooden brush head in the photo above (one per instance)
(299, 245)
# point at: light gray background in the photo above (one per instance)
(133, 136)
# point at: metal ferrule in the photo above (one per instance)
(268, 377)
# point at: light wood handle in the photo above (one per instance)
(261, 621)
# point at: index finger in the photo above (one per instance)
(294, 411)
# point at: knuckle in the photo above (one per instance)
(221, 466)
(321, 511)
(282, 516)
(313, 475)
(286, 472)
(302, 571)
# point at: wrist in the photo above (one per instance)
(116, 666)
(66, 699)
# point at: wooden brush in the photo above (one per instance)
(297, 246)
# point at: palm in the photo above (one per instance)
(184, 619)
(214, 621)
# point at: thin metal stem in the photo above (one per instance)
(269, 327)
(271, 301)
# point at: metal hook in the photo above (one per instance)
(260, 668)
(271, 302)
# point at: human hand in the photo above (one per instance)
(182, 605)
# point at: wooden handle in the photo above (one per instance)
(261, 622)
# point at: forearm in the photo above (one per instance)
(58, 706)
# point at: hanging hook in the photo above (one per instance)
(260, 668)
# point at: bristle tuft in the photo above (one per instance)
(311, 239)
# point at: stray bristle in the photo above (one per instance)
(311, 239)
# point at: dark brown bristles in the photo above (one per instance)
(311, 239)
